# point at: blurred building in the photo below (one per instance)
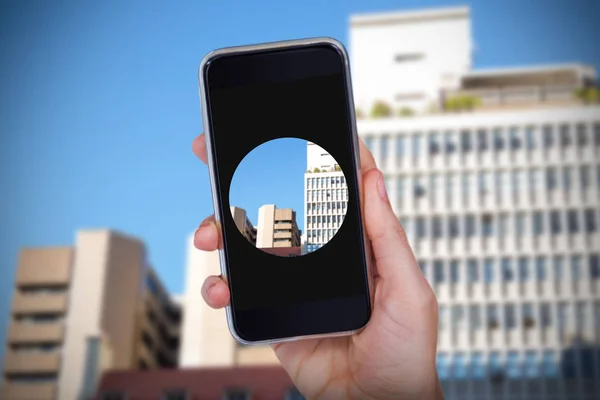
(277, 227)
(325, 197)
(77, 311)
(213, 383)
(495, 175)
(243, 224)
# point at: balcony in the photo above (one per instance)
(519, 96)
(31, 362)
(51, 266)
(43, 303)
(282, 235)
(35, 333)
(28, 391)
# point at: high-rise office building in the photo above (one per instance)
(77, 311)
(244, 224)
(325, 197)
(277, 227)
(495, 175)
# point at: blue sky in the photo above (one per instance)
(99, 104)
(272, 173)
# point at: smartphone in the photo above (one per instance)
(260, 94)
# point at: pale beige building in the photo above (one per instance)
(77, 311)
(243, 224)
(277, 227)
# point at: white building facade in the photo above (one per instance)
(500, 204)
(325, 198)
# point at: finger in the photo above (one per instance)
(391, 250)
(367, 162)
(208, 235)
(199, 148)
(215, 292)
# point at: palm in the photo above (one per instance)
(368, 364)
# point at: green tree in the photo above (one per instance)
(381, 110)
(588, 95)
(406, 112)
(316, 170)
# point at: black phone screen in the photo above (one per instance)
(298, 93)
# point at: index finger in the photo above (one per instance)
(199, 148)
(367, 162)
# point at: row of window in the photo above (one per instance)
(325, 182)
(501, 183)
(320, 235)
(327, 195)
(503, 224)
(330, 207)
(513, 269)
(532, 315)
(319, 221)
(517, 365)
(181, 394)
(483, 140)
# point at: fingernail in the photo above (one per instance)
(381, 188)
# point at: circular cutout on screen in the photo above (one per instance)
(288, 197)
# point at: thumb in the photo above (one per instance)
(391, 251)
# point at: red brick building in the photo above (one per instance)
(227, 383)
(283, 251)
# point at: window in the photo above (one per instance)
(572, 221)
(477, 366)
(475, 317)
(236, 394)
(528, 316)
(384, 146)
(546, 315)
(590, 220)
(454, 271)
(581, 135)
(453, 226)
(538, 223)
(175, 394)
(567, 178)
(461, 367)
(472, 271)
(368, 144)
(594, 266)
(487, 225)
(509, 316)
(551, 179)
(549, 364)
(585, 175)
(515, 140)
(530, 137)
(482, 140)
(575, 268)
(420, 228)
(503, 224)
(438, 270)
(465, 141)
(555, 225)
(457, 317)
(531, 365)
(442, 364)
(495, 365)
(434, 144)
(507, 270)
(597, 135)
(400, 147)
(565, 136)
(513, 365)
(498, 139)
(558, 268)
(437, 227)
(470, 226)
(524, 274)
(520, 224)
(540, 268)
(492, 317)
(416, 145)
(488, 270)
(400, 188)
(443, 317)
(293, 394)
(450, 144)
(548, 136)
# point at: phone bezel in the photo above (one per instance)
(282, 45)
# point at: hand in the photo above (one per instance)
(393, 357)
